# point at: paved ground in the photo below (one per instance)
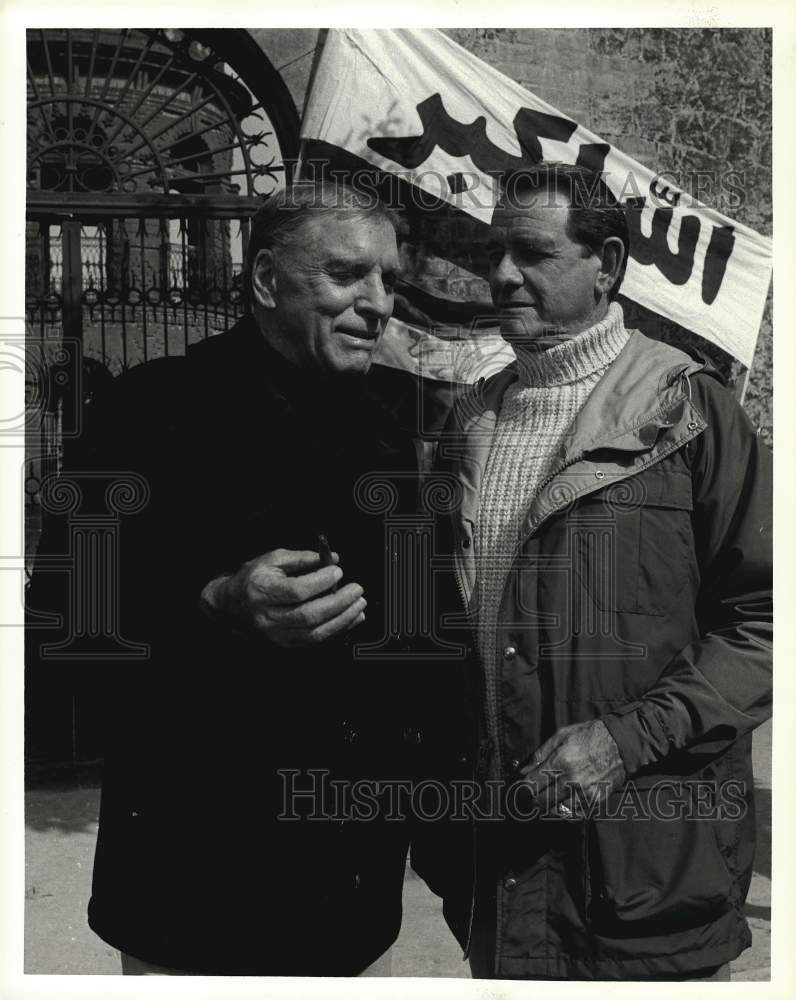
(60, 834)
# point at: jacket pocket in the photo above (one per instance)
(631, 545)
(656, 870)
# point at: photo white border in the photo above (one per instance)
(15, 17)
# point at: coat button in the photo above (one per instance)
(510, 884)
(514, 764)
(509, 652)
(465, 543)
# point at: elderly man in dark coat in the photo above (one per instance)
(221, 847)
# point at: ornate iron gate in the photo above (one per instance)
(148, 152)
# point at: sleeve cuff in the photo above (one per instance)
(639, 734)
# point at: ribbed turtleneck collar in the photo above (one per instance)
(589, 352)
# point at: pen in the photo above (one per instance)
(325, 552)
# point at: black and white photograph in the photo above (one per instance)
(394, 487)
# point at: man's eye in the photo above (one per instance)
(527, 253)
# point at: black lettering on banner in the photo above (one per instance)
(592, 156)
(458, 139)
(654, 249)
(664, 192)
(722, 241)
(678, 267)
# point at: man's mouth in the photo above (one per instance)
(369, 335)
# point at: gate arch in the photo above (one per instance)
(148, 152)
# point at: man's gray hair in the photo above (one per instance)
(277, 222)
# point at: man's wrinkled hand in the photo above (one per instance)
(578, 765)
(287, 596)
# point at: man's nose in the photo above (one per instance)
(506, 273)
(374, 300)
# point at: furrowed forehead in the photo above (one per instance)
(340, 230)
(526, 197)
(345, 241)
(537, 219)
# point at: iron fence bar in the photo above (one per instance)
(103, 340)
(164, 104)
(224, 297)
(44, 251)
(169, 125)
(141, 231)
(250, 141)
(194, 135)
(164, 281)
(39, 104)
(43, 37)
(142, 98)
(70, 111)
(106, 86)
(186, 277)
(69, 66)
(204, 226)
(57, 205)
(259, 106)
(261, 170)
(123, 307)
(127, 84)
(32, 81)
(245, 227)
(90, 74)
(72, 305)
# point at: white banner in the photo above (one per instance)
(419, 351)
(416, 104)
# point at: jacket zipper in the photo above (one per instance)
(517, 552)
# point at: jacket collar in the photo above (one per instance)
(637, 395)
(241, 379)
(639, 411)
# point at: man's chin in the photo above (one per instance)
(520, 327)
(353, 364)
(354, 355)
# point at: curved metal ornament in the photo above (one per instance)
(148, 111)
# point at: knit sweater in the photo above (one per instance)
(536, 414)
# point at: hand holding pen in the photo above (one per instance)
(326, 555)
(291, 597)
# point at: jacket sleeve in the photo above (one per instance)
(719, 687)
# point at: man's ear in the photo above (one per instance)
(264, 279)
(611, 261)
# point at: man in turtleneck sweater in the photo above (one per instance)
(612, 548)
(554, 296)
(538, 410)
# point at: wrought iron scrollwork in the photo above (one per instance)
(142, 110)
